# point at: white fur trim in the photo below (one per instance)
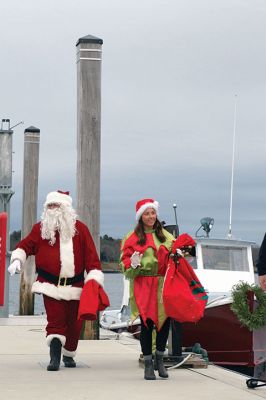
(18, 254)
(68, 353)
(56, 292)
(49, 338)
(97, 275)
(154, 205)
(56, 197)
(67, 259)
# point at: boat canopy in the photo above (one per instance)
(222, 263)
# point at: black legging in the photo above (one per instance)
(146, 336)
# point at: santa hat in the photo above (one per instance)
(142, 206)
(58, 197)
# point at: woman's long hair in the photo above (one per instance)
(139, 231)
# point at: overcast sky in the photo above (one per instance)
(170, 72)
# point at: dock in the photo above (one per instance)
(106, 369)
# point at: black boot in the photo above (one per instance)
(149, 370)
(55, 354)
(69, 362)
(160, 365)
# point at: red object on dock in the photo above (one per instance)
(3, 227)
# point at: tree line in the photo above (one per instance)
(109, 247)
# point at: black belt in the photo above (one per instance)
(57, 280)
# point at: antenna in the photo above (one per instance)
(232, 174)
(177, 228)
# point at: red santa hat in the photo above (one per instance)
(142, 206)
(58, 197)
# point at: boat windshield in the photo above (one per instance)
(225, 258)
(192, 261)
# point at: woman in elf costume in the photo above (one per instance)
(144, 258)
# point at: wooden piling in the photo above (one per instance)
(29, 213)
(89, 51)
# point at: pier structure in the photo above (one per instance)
(29, 213)
(107, 368)
(6, 193)
(89, 60)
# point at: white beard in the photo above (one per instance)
(62, 219)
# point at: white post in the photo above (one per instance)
(232, 176)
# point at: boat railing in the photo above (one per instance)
(222, 297)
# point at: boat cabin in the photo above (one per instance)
(221, 263)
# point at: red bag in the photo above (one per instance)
(93, 299)
(184, 297)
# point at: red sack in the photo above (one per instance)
(93, 299)
(184, 297)
(184, 240)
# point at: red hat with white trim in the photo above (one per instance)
(58, 197)
(142, 206)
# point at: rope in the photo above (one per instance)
(125, 334)
(181, 362)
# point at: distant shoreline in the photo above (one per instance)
(111, 267)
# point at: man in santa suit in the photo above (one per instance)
(65, 258)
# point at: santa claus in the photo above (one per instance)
(65, 258)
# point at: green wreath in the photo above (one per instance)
(252, 320)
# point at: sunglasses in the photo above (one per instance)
(53, 205)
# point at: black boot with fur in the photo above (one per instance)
(55, 355)
(69, 362)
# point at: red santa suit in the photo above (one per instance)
(60, 277)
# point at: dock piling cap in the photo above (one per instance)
(89, 39)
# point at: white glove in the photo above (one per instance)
(179, 252)
(14, 267)
(136, 259)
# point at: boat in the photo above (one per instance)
(219, 264)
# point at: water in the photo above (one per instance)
(113, 285)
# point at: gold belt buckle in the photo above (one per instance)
(64, 282)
